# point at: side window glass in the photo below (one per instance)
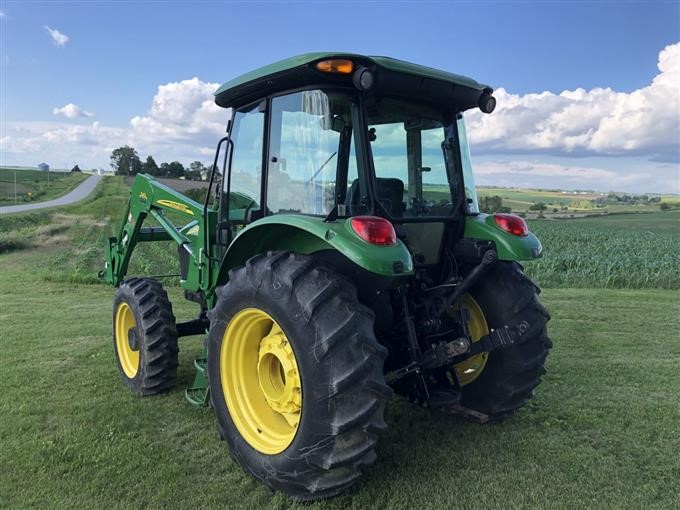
(246, 164)
(304, 143)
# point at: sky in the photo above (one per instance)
(588, 91)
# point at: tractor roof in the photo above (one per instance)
(392, 75)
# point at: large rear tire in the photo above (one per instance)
(296, 375)
(145, 336)
(506, 295)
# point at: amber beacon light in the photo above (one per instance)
(336, 65)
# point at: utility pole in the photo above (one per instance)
(15, 186)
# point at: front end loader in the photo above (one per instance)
(339, 257)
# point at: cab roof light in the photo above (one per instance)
(336, 65)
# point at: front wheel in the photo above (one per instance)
(296, 375)
(145, 336)
(498, 383)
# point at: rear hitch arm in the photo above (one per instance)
(460, 349)
(488, 259)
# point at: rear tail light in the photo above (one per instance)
(374, 230)
(512, 224)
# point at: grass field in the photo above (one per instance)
(602, 432)
(33, 186)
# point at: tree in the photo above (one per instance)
(125, 161)
(538, 206)
(195, 170)
(75, 169)
(150, 167)
(492, 204)
(665, 206)
(175, 169)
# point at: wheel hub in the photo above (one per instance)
(278, 375)
(126, 339)
(133, 342)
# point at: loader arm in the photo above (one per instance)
(149, 197)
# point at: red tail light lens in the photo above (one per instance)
(512, 224)
(374, 230)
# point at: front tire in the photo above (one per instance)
(506, 295)
(145, 336)
(283, 313)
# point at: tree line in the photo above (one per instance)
(126, 161)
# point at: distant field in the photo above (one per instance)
(529, 197)
(33, 185)
(577, 203)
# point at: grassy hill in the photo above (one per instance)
(35, 185)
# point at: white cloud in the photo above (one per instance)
(2, 14)
(578, 122)
(58, 38)
(72, 111)
(182, 112)
(577, 174)
(183, 123)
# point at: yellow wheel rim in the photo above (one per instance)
(470, 369)
(260, 381)
(128, 357)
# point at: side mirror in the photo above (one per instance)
(487, 103)
(333, 122)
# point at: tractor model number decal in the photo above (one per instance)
(175, 205)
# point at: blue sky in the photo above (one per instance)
(118, 54)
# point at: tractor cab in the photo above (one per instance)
(338, 136)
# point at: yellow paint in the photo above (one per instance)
(129, 358)
(470, 369)
(260, 381)
(143, 196)
(176, 205)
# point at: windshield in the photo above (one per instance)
(414, 174)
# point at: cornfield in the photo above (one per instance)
(626, 251)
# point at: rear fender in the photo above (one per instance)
(508, 246)
(308, 234)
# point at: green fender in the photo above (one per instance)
(508, 246)
(308, 234)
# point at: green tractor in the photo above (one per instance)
(339, 256)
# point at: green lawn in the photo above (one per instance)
(603, 431)
(33, 186)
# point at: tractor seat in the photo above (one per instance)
(390, 193)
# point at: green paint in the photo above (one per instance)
(149, 197)
(309, 234)
(508, 246)
(265, 73)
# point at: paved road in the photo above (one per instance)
(83, 190)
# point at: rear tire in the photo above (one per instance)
(145, 336)
(340, 366)
(507, 296)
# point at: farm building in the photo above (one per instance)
(44, 167)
